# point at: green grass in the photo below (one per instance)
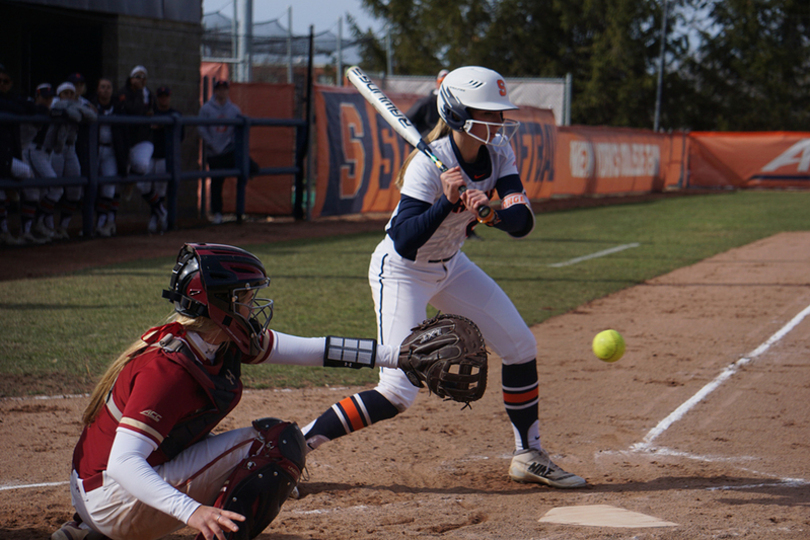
(69, 328)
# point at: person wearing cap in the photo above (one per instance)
(80, 84)
(135, 99)
(60, 142)
(11, 162)
(219, 142)
(112, 150)
(83, 137)
(424, 114)
(158, 222)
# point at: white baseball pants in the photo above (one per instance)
(199, 472)
(402, 289)
(107, 166)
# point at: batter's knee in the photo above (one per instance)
(396, 388)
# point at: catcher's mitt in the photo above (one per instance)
(448, 353)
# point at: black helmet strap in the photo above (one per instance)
(189, 306)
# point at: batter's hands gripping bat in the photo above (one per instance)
(400, 123)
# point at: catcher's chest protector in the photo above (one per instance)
(262, 482)
(224, 390)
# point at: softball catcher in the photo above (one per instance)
(146, 463)
(419, 262)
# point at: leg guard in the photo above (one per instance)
(262, 482)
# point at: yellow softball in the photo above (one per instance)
(608, 345)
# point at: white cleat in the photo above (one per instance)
(44, 231)
(107, 230)
(8, 239)
(72, 531)
(536, 466)
(29, 239)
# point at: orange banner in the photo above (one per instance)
(596, 160)
(359, 156)
(358, 153)
(777, 159)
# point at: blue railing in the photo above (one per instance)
(174, 175)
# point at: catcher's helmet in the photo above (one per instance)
(220, 282)
(473, 87)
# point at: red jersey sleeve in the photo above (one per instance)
(266, 348)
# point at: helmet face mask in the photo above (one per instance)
(476, 88)
(498, 133)
(221, 282)
(257, 312)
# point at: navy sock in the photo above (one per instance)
(520, 397)
(349, 415)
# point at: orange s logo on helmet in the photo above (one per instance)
(502, 86)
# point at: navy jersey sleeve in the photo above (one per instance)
(517, 220)
(415, 223)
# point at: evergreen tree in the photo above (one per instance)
(744, 68)
(753, 66)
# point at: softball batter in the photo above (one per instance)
(419, 262)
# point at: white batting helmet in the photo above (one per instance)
(472, 87)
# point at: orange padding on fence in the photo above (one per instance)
(768, 159)
(597, 160)
(358, 155)
(269, 147)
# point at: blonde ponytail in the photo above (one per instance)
(99, 396)
(441, 129)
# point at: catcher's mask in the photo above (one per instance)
(221, 282)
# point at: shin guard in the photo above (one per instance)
(260, 484)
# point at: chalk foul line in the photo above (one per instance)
(595, 255)
(678, 413)
(28, 486)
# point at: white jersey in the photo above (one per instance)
(422, 182)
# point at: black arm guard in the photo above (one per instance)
(350, 352)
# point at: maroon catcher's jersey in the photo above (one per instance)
(154, 393)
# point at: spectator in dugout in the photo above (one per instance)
(135, 99)
(11, 163)
(219, 142)
(112, 159)
(60, 141)
(33, 134)
(163, 107)
(82, 144)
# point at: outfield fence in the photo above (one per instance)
(356, 156)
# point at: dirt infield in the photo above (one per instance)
(732, 462)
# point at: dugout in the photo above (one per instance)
(46, 40)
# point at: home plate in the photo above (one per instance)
(602, 515)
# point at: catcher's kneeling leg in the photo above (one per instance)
(261, 483)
